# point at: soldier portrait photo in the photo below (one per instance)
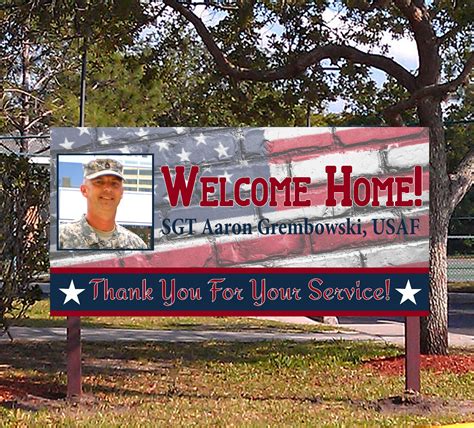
(102, 187)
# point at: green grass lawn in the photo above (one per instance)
(38, 316)
(224, 384)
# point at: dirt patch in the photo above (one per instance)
(420, 405)
(34, 394)
(458, 364)
(30, 394)
(87, 404)
(22, 387)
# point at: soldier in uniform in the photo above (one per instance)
(97, 229)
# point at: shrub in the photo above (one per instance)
(24, 213)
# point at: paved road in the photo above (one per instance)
(130, 335)
(388, 332)
(461, 313)
(385, 331)
(460, 310)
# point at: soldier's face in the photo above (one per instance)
(103, 193)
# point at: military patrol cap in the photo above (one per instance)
(99, 167)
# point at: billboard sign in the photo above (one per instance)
(239, 221)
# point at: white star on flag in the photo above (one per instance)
(227, 176)
(200, 139)
(72, 293)
(408, 293)
(104, 136)
(222, 151)
(184, 156)
(142, 132)
(83, 130)
(67, 144)
(163, 146)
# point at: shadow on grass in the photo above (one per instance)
(54, 323)
(117, 368)
(39, 392)
(172, 392)
(51, 357)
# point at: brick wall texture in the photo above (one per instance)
(262, 152)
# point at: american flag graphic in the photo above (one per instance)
(263, 152)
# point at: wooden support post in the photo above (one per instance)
(412, 354)
(74, 366)
(74, 351)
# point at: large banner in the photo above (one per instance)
(239, 221)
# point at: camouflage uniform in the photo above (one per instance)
(80, 235)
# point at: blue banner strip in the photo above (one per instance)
(239, 294)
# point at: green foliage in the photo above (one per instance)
(40, 47)
(120, 20)
(174, 83)
(270, 34)
(161, 54)
(460, 129)
(462, 224)
(30, 57)
(118, 93)
(459, 138)
(24, 200)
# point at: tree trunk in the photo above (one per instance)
(434, 328)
